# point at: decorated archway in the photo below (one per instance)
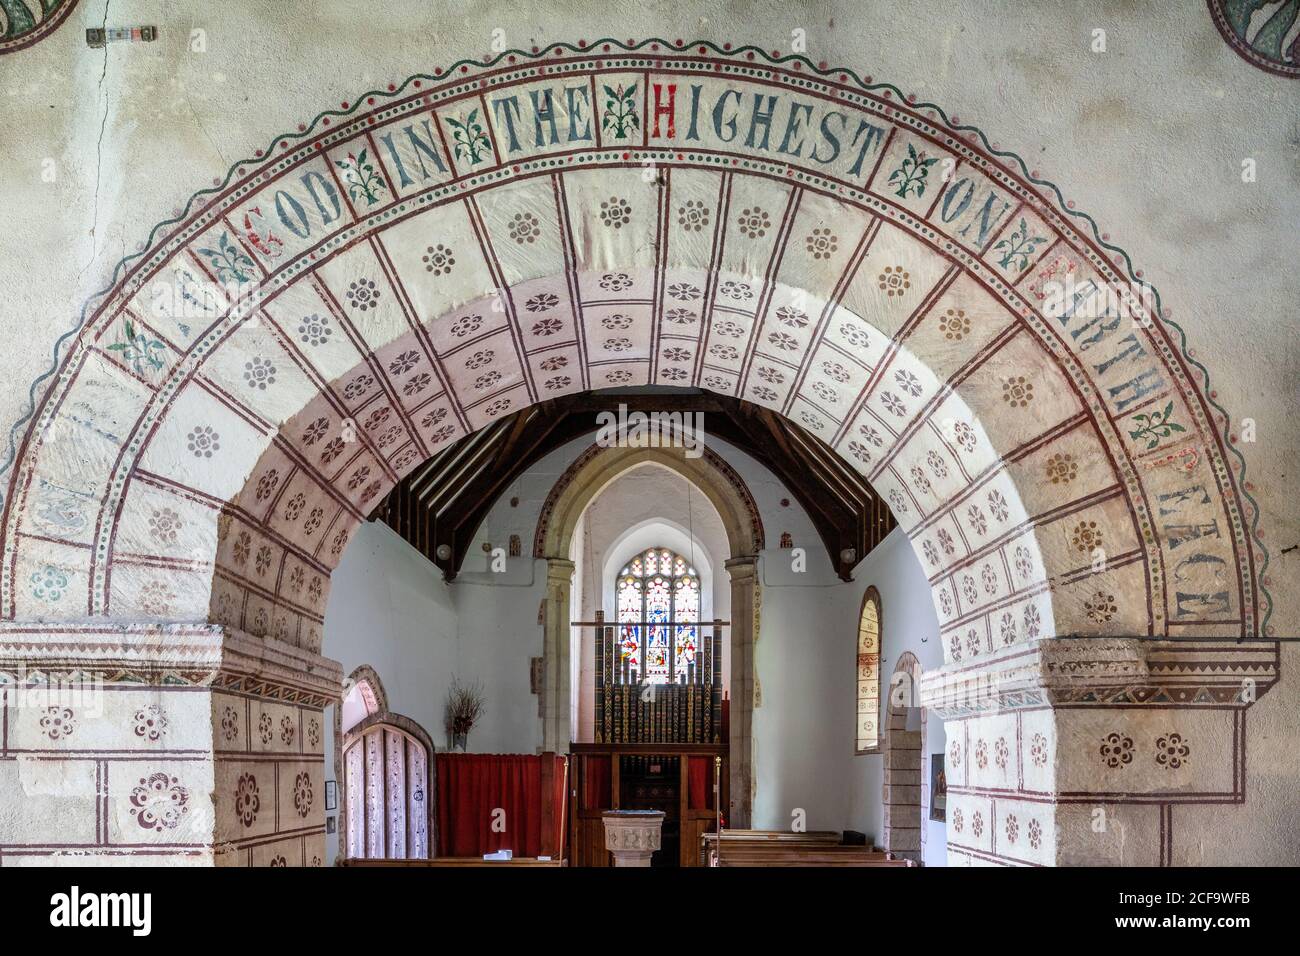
(414, 263)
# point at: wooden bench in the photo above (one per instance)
(441, 861)
(734, 848)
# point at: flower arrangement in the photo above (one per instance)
(465, 705)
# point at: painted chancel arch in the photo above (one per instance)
(417, 263)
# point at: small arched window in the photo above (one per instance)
(659, 585)
(868, 716)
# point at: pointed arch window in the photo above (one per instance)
(868, 713)
(656, 586)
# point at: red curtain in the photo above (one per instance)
(472, 787)
(699, 779)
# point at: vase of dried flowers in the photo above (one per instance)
(465, 703)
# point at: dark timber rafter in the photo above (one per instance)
(439, 506)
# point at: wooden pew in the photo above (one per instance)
(441, 861)
(787, 849)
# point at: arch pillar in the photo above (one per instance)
(556, 654)
(743, 572)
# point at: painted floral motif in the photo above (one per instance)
(771, 375)
(259, 373)
(737, 290)
(693, 215)
(936, 463)
(954, 755)
(1117, 750)
(725, 327)
(754, 222)
(480, 358)
(302, 794)
(617, 322)
(542, 302)
(860, 451)
(558, 382)
(264, 728)
(487, 380)
(977, 824)
(680, 316)
(894, 281)
(676, 354)
(825, 393)
(821, 243)
(1024, 561)
(554, 363)
(315, 431)
(497, 407)
(362, 180)
(908, 382)
(855, 335)
(229, 724)
(1035, 834)
(442, 434)
(763, 393)
(684, 292)
(150, 722)
(158, 802)
(278, 861)
(472, 143)
(263, 559)
(1001, 752)
(921, 481)
(965, 435)
(975, 517)
(726, 353)
(954, 642)
(1086, 536)
(893, 403)
(615, 281)
(314, 588)
(811, 421)
(717, 382)
(1017, 392)
(794, 318)
(313, 731)
(358, 387)
(1062, 468)
(1008, 629)
(247, 799)
(242, 547)
(911, 174)
(438, 260)
(524, 228)
(58, 723)
(1154, 426)
(156, 599)
(229, 262)
(1171, 751)
(139, 349)
(784, 342)
(267, 484)
(433, 418)
(1100, 607)
(973, 643)
(164, 525)
(49, 584)
(341, 540)
(1033, 621)
(1013, 828)
(954, 325)
(1018, 247)
(946, 541)
(1038, 750)
(203, 442)
(362, 295)
(286, 730)
(358, 477)
(896, 499)
(989, 578)
(998, 505)
(621, 119)
(930, 551)
(619, 376)
(615, 212)
(674, 374)
(957, 820)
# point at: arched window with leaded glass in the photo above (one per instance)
(659, 612)
(868, 714)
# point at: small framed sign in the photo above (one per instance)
(331, 795)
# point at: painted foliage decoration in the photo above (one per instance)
(1264, 33)
(24, 22)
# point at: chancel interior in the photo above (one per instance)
(562, 449)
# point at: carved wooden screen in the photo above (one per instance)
(386, 773)
(868, 711)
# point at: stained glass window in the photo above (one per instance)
(659, 612)
(868, 716)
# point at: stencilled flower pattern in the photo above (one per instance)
(897, 501)
(937, 465)
(467, 324)
(263, 562)
(1017, 391)
(417, 384)
(1117, 750)
(676, 354)
(340, 541)
(958, 820)
(242, 547)
(1100, 608)
(150, 723)
(156, 599)
(313, 731)
(615, 282)
(693, 215)
(286, 730)
(998, 505)
(1171, 751)
(1008, 628)
(542, 302)
(908, 382)
(617, 344)
(438, 259)
(811, 421)
(158, 802)
(754, 222)
(315, 329)
(1013, 828)
(763, 393)
(835, 372)
(1086, 536)
(728, 329)
(783, 341)
(737, 290)
(1033, 621)
(524, 228)
(247, 799)
(333, 448)
(203, 442)
(164, 525)
(975, 518)
(267, 484)
(58, 723)
(945, 605)
(229, 724)
(547, 326)
(1035, 831)
(855, 335)
(946, 541)
(989, 578)
(727, 353)
(315, 431)
(821, 243)
(954, 755)
(358, 478)
(363, 295)
(954, 325)
(1001, 753)
(825, 393)
(495, 408)
(1024, 562)
(893, 404)
(894, 281)
(557, 383)
(480, 359)
(930, 551)
(294, 507)
(972, 644)
(771, 375)
(717, 382)
(1062, 468)
(921, 481)
(680, 316)
(615, 212)
(49, 584)
(404, 362)
(358, 387)
(684, 292)
(259, 373)
(433, 417)
(617, 322)
(674, 374)
(790, 316)
(487, 380)
(618, 376)
(1038, 750)
(554, 363)
(302, 794)
(964, 435)
(977, 824)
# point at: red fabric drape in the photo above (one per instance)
(598, 795)
(471, 787)
(699, 779)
